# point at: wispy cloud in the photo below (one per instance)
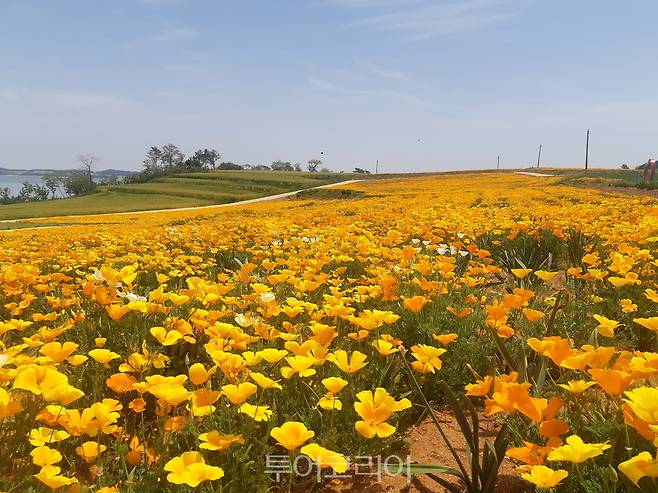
(386, 73)
(422, 19)
(176, 34)
(57, 99)
(409, 98)
(325, 85)
(336, 89)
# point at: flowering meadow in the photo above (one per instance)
(177, 351)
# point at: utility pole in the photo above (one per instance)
(587, 151)
(539, 156)
(498, 165)
(377, 167)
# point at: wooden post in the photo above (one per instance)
(377, 167)
(587, 151)
(498, 165)
(539, 156)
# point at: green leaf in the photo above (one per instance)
(459, 415)
(448, 486)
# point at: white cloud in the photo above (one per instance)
(323, 84)
(398, 95)
(424, 19)
(386, 73)
(327, 86)
(55, 99)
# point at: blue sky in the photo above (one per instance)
(420, 85)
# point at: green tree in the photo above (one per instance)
(313, 165)
(171, 156)
(282, 166)
(5, 195)
(77, 183)
(87, 163)
(230, 166)
(203, 159)
(152, 161)
(54, 184)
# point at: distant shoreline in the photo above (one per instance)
(45, 172)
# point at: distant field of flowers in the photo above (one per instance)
(185, 351)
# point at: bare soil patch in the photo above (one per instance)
(427, 447)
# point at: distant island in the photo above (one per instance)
(58, 172)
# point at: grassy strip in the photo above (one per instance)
(188, 190)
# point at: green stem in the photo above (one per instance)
(465, 475)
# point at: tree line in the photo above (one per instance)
(76, 182)
(159, 162)
(169, 160)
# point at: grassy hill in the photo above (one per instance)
(185, 190)
(598, 177)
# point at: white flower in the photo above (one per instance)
(267, 297)
(130, 296)
(244, 320)
(98, 275)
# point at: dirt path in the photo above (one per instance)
(427, 447)
(201, 207)
(529, 173)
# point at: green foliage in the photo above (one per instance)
(481, 474)
(184, 190)
(523, 251)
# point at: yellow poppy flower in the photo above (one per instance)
(215, 441)
(291, 434)
(90, 451)
(263, 381)
(257, 413)
(375, 408)
(606, 326)
(354, 363)
(544, 477)
(103, 356)
(238, 394)
(190, 468)
(648, 323)
(577, 386)
(325, 458)
(577, 451)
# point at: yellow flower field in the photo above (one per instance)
(181, 351)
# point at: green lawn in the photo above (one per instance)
(185, 190)
(618, 177)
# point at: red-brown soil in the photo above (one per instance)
(427, 447)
